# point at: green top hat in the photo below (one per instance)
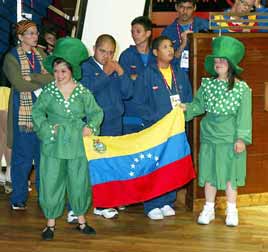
(228, 48)
(71, 50)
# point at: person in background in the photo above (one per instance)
(134, 60)
(162, 86)
(58, 117)
(226, 128)
(5, 152)
(24, 69)
(48, 38)
(260, 7)
(184, 24)
(241, 7)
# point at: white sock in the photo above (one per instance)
(2, 177)
(231, 206)
(210, 205)
(8, 178)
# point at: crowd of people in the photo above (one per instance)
(60, 94)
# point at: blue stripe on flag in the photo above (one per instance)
(139, 164)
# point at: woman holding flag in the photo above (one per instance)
(226, 128)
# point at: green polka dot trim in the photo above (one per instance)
(53, 90)
(218, 99)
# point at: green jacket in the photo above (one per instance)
(228, 112)
(59, 123)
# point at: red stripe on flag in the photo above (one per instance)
(165, 179)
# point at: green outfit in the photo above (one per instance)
(63, 163)
(227, 119)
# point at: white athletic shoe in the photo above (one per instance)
(71, 218)
(107, 213)
(206, 216)
(232, 218)
(155, 214)
(167, 211)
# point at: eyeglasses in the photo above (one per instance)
(30, 34)
(246, 4)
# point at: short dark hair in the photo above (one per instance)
(143, 21)
(49, 29)
(157, 41)
(103, 38)
(58, 61)
(186, 1)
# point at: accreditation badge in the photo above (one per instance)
(185, 59)
(175, 100)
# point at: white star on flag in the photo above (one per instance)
(131, 174)
(141, 156)
(137, 164)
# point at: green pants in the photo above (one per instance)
(58, 176)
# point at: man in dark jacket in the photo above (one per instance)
(110, 85)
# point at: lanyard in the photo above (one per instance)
(32, 64)
(173, 79)
(179, 30)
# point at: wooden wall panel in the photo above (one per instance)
(257, 174)
(163, 18)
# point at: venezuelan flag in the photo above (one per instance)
(140, 166)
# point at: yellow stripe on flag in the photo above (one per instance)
(172, 124)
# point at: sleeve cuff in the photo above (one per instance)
(95, 130)
(244, 135)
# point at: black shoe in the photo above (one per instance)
(48, 233)
(18, 206)
(86, 229)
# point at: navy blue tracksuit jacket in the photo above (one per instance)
(109, 92)
(151, 94)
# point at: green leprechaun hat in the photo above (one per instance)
(71, 50)
(228, 48)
